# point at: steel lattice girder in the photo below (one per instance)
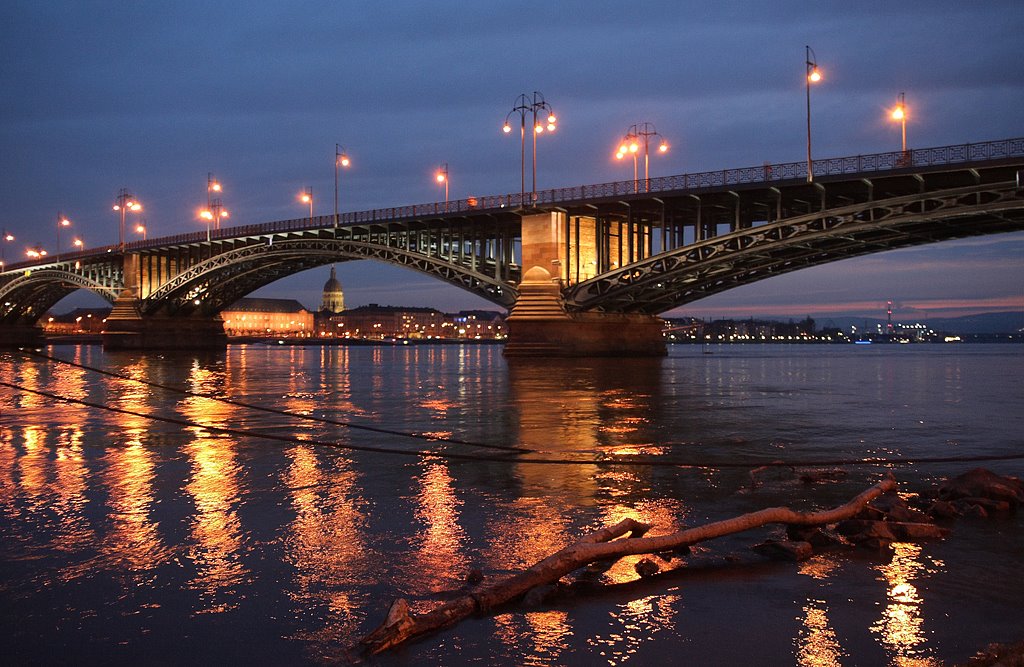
(677, 277)
(33, 293)
(224, 278)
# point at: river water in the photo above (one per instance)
(125, 540)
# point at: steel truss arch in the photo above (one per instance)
(222, 279)
(671, 279)
(28, 296)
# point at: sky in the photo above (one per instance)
(155, 96)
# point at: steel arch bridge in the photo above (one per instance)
(628, 247)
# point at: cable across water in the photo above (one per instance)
(603, 460)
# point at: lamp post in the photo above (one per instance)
(125, 203)
(306, 197)
(900, 114)
(5, 238)
(524, 105)
(212, 185)
(340, 160)
(442, 177)
(637, 136)
(141, 229)
(79, 243)
(813, 76)
(62, 221)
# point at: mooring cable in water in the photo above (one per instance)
(605, 462)
(285, 413)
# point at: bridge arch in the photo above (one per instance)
(686, 274)
(28, 296)
(213, 284)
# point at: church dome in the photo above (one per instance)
(332, 284)
(333, 299)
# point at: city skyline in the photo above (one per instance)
(156, 99)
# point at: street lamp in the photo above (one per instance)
(212, 185)
(637, 136)
(340, 160)
(35, 252)
(125, 203)
(5, 238)
(141, 229)
(442, 177)
(306, 197)
(79, 243)
(62, 221)
(900, 114)
(813, 76)
(524, 105)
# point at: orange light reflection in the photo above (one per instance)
(899, 629)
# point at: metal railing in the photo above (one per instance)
(768, 173)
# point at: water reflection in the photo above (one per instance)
(214, 486)
(899, 629)
(438, 560)
(326, 545)
(539, 636)
(635, 623)
(133, 543)
(817, 642)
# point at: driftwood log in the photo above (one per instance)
(604, 545)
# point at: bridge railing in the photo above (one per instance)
(767, 173)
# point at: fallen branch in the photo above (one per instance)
(401, 626)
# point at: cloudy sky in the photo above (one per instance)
(153, 96)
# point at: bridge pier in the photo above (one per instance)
(127, 329)
(538, 326)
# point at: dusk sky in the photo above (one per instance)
(153, 96)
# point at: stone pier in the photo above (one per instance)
(539, 325)
(128, 329)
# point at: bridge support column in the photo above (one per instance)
(21, 335)
(538, 325)
(127, 329)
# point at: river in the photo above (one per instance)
(126, 540)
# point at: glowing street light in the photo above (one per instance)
(442, 177)
(125, 203)
(340, 160)
(813, 76)
(523, 106)
(306, 197)
(638, 136)
(35, 252)
(5, 238)
(900, 114)
(78, 243)
(62, 221)
(141, 229)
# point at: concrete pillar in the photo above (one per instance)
(127, 329)
(539, 325)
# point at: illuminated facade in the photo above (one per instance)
(376, 322)
(267, 317)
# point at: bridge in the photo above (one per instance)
(601, 261)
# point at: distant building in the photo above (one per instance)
(377, 322)
(477, 324)
(333, 298)
(78, 321)
(267, 317)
